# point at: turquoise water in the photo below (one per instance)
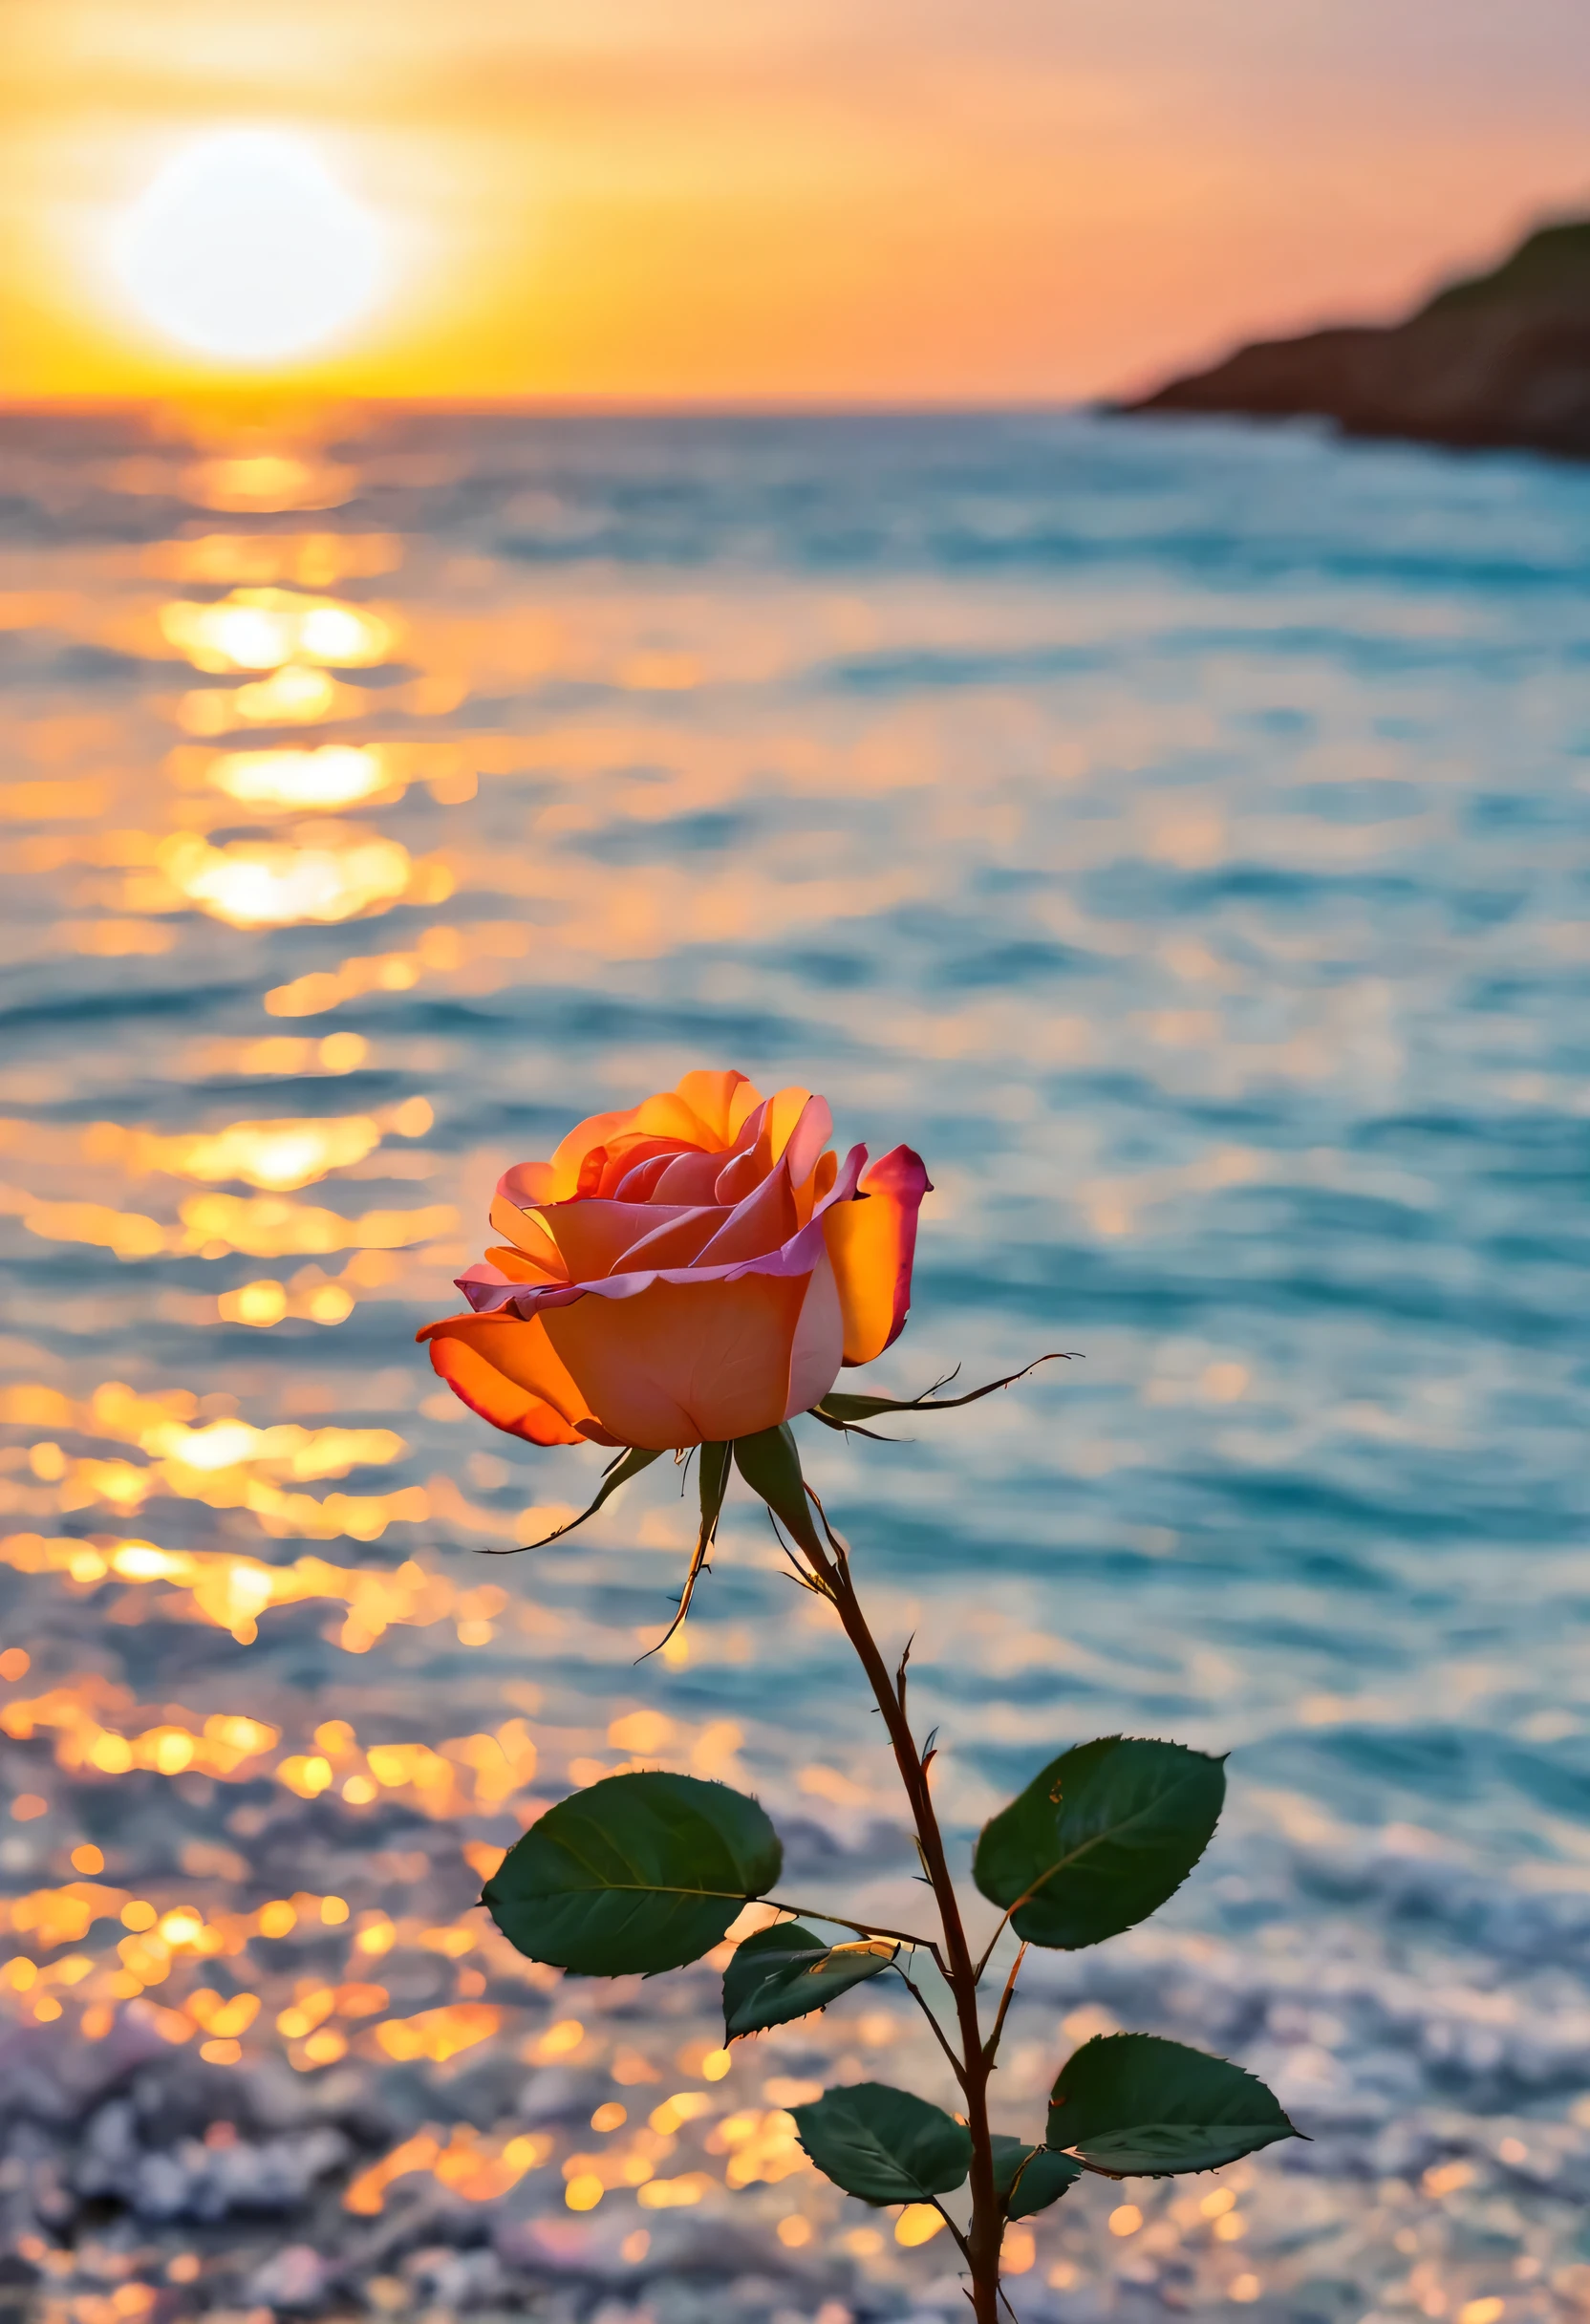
(1182, 837)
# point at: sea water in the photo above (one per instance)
(1181, 835)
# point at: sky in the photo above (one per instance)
(793, 201)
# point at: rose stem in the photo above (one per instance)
(982, 2243)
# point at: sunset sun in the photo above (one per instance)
(246, 249)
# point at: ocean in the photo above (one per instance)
(1180, 833)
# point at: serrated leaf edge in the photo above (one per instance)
(1064, 1864)
(1198, 2170)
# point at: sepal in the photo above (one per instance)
(713, 1473)
(771, 1466)
(616, 1472)
(842, 1411)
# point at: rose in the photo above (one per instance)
(692, 1270)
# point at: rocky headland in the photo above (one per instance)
(1495, 361)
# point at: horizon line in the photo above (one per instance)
(265, 403)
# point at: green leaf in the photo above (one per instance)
(616, 1472)
(1099, 1840)
(771, 1466)
(1132, 2105)
(1009, 2155)
(883, 2144)
(1028, 2178)
(639, 1873)
(786, 1972)
(842, 1411)
(713, 1471)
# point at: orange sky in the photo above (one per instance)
(799, 199)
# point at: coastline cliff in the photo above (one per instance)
(1498, 360)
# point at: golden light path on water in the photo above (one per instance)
(190, 1972)
(269, 1716)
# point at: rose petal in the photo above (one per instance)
(792, 1123)
(487, 1285)
(527, 1184)
(569, 1158)
(763, 1223)
(527, 1234)
(520, 1267)
(677, 1241)
(798, 1256)
(819, 1347)
(508, 1373)
(638, 1183)
(808, 1135)
(669, 1115)
(719, 1102)
(604, 1170)
(592, 1237)
(683, 1364)
(706, 1114)
(689, 1178)
(749, 1164)
(584, 1154)
(818, 1187)
(873, 1243)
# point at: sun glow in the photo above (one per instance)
(246, 249)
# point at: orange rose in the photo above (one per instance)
(692, 1270)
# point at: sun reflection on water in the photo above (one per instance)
(278, 1154)
(256, 483)
(334, 876)
(292, 696)
(303, 560)
(336, 775)
(260, 629)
